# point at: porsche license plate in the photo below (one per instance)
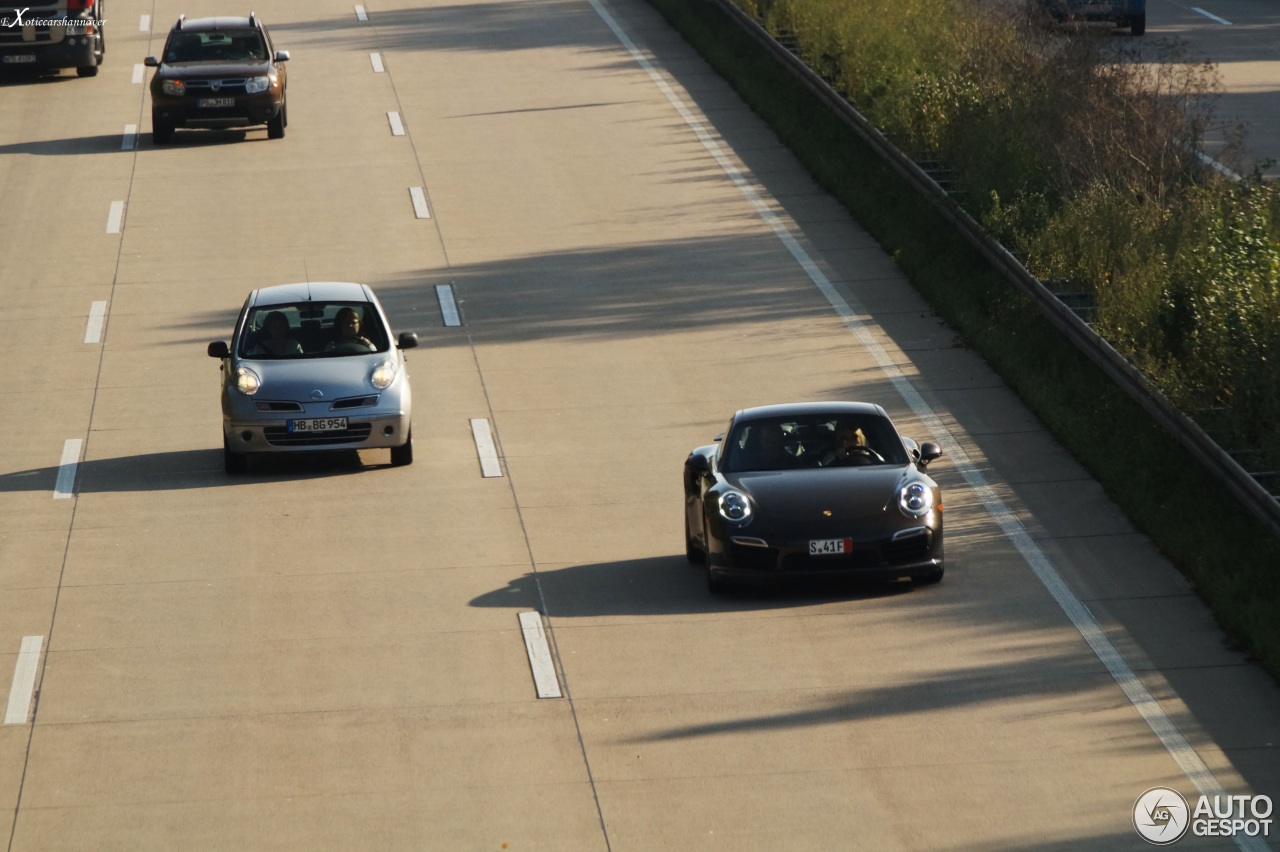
(18, 58)
(215, 103)
(830, 546)
(318, 424)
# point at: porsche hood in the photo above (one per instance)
(786, 498)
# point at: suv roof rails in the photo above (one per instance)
(253, 21)
(178, 25)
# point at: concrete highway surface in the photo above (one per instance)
(1242, 40)
(328, 653)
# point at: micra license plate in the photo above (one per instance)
(318, 424)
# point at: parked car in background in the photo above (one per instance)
(47, 35)
(1122, 13)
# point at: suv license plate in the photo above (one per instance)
(19, 58)
(215, 103)
(318, 424)
(830, 546)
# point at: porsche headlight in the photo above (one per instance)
(383, 374)
(735, 507)
(247, 381)
(256, 84)
(915, 499)
(174, 87)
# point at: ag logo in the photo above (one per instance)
(1161, 816)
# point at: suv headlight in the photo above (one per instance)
(174, 87)
(247, 381)
(257, 84)
(915, 499)
(383, 374)
(735, 507)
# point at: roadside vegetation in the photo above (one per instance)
(1078, 151)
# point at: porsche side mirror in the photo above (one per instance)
(697, 463)
(218, 349)
(928, 452)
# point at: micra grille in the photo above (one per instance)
(279, 436)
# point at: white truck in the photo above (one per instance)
(45, 35)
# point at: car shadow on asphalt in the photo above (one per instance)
(664, 585)
(190, 469)
(65, 147)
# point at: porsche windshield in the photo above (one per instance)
(312, 330)
(793, 443)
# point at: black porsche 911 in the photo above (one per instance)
(814, 488)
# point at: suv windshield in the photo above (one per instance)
(312, 330)
(216, 46)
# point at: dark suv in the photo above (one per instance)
(218, 72)
(1122, 13)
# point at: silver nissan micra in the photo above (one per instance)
(314, 367)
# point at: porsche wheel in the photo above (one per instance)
(930, 579)
(715, 584)
(692, 552)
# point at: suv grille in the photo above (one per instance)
(228, 87)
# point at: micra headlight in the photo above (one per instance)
(383, 374)
(915, 500)
(735, 507)
(247, 381)
(257, 84)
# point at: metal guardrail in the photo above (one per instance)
(1248, 490)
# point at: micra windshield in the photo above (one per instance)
(312, 330)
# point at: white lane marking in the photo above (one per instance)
(397, 128)
(139, 73)
(1218, 167)
(375, 59)
(1142, 700)
(1211, 16)
(115, 218)
(144, 24)
(419, 197)
(485, 450)
(130, 140)
(24, 681)
(535, 645)
(93, 330)
(361, 14)
(448, 307)
(65, 485)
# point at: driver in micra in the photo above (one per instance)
(277, 342)
(347, 322)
